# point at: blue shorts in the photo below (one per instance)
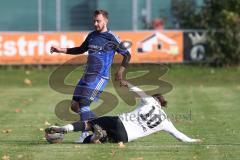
(89, 87)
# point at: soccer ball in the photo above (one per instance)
(54, 137)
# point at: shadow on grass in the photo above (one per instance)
(35, 143)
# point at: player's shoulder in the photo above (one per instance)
(92, 33)
(114, 36)
(150, 99)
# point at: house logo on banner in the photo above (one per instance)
(158, 42)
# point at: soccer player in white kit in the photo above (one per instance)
(146, 119)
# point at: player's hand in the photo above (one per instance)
(198, 140)
(118, 76)
(55, 49)
(123, 83)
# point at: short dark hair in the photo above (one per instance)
(102, 12)
(161, 99)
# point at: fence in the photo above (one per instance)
(76, 15)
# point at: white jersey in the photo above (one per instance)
(149, 118)
(145, 119)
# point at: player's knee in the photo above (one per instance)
(84, 102)
(75, 106)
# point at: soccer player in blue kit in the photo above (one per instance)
(101, 45)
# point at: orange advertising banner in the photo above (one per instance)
(33, 48)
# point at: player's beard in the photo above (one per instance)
(99, 28)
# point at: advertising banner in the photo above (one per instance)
(33, 48)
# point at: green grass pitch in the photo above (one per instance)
(212, 95)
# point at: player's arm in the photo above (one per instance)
(169, 127)
(123, 66)
(75, 50)
(144, 97)
(122, 50)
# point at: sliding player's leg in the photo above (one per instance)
(73, 127)
(98, 132)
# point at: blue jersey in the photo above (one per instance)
(101, 49)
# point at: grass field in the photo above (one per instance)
(212, 95)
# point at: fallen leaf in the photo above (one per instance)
(5, 157)
(27, 81)
(195, 157)
(7, 131)
(41, 129)
(47, 123)
(20, 156)
(212, 71)
(27, 72)
(77, 146)
(18, 110)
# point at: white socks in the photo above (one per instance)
(69, 127)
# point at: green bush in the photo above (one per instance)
(221, 19)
